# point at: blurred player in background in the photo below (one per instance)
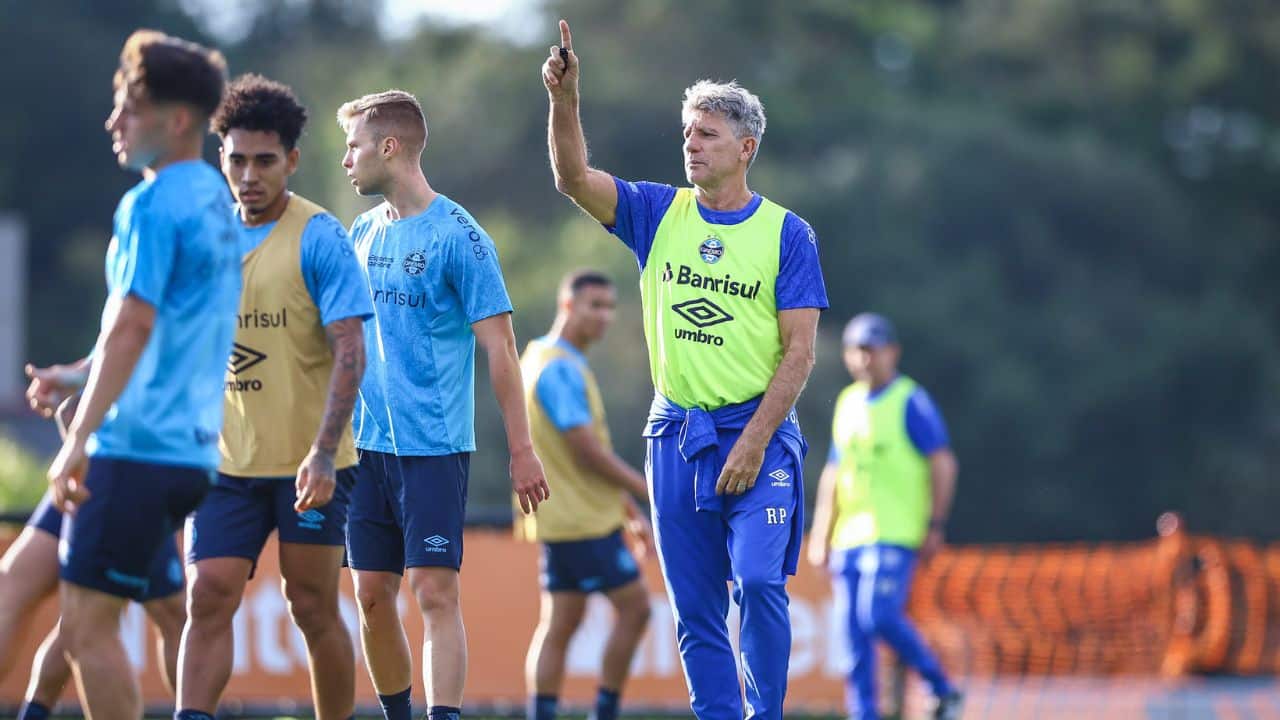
(882, 506)
(140, 449)
(732, 290)
(29, 574)
(581, 532)
(288, 458)
(437, 291)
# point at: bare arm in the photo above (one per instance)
(317, 475)
(823, 517)
(119, 347)
(943, 469)
(798, 328)
(593, 190)
(605, 462)
(496, 336)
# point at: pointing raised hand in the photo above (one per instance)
(560, 71)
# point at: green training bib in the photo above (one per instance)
(710, 315)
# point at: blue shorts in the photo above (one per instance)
(407, 511)
(113, 540)
(240, 513)
(585, 566)
(166, 569)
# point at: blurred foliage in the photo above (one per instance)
(1068, 208)
(22, 479)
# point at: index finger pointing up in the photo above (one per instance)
(566, 38)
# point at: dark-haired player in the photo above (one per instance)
(287, 453)
(138, 454)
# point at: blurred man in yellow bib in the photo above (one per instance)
(581, 532)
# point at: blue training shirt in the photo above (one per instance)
(641, 206)
(562, 389)
(925, 426)
(431, 276)
(329, 267)
(175, 247)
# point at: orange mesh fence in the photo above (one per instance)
(1170, 606)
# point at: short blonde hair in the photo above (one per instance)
(391, 113)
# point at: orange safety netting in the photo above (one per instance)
(1173, 605)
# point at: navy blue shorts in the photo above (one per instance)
(585, 566)
(113, 541)
(166, 569)
(407, 511)
(240, 513)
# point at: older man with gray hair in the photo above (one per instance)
(732, 290)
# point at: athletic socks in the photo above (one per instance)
(606, 705)
(398, 706)
(542, 707)
(32, 710)
(444, 712)
(192, 715)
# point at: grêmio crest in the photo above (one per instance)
(711, 250)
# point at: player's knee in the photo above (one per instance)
(635, 613)
(313, 610)
(436, 593)
(168, 615)
(757, 584)
(212, 599)
(376, 600)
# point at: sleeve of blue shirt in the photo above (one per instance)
(800, 283)
(833, 455)
(149, 250)
(925, 426)
(475, 273)
(641, 206)
(563, 395)
(332, 273)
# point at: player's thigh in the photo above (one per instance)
(562, 612)
(630, 600)
(113, 538)
(763, 533)
(310, 572)
(434, 506)
(233, 521)
(375, 536)
(28, 572)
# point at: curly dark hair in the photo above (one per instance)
(169, 69)
(257, 103)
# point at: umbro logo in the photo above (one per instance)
(779, 474)
(311, 519)
(701, 313)
(242, 358)
(436, 543)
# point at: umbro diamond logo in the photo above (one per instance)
(436, 541)
(701, 313)
(779, 475)
(242, 358)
